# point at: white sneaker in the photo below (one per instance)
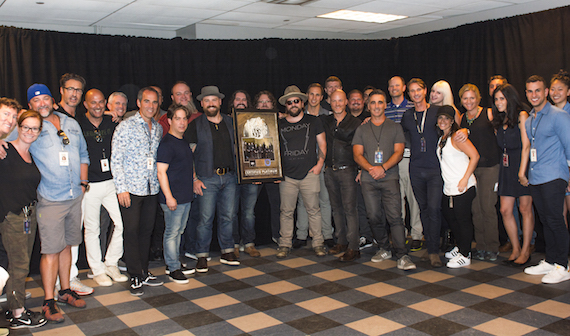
(103, 280)
(115, 274)
(79, 288)
(381, 255)
(405, 263)
(557, 275)
(453, 253)
(3, 277)
(542, 268)
(459, 261)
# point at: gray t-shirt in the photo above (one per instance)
(378, 142)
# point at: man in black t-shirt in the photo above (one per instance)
(299, 134)
(71, 88)
(211, 137)
(98, 131)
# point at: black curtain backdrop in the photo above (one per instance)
(515, 47)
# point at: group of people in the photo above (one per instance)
(355, 166)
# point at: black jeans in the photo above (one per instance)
(383, 200)
(457, 213)
(342, 195)
(138, 223)
(549, 201)
(428, 190)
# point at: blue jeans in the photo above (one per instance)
(174, 225)
(188, 240)
(246, 197)
(341, 188)
(217, 198)
(428, 190)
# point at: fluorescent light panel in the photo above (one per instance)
(345, 14)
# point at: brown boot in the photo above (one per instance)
(435, 260)
(236, 251)
(350, 255)
(252, 251)
(338, 249)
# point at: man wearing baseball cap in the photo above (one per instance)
(211, 137)
(61, 156)
(300, 134)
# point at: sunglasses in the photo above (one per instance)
(294, 101)
(64, 139)
(98, 136)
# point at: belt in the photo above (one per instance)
(222, 171)
(333, 167)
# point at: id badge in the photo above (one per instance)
(378, 156)
(533, 155)
(505, 160)
(64, 158)
(104, 165)
(149, 164)
(423, 146)
(27, 224)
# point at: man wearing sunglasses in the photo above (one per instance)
(60, 154)
(300, 134)
(98, 131)
(71, 88)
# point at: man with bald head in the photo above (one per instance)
(181, 95)
(340, 175)
(98, 131)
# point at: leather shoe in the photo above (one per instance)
(350, 255)
(506, 248)
(435, 260)
(337, 249)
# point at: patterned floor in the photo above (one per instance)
(307, 295)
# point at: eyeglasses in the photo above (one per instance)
(98, 136)
(64, 139)
(71, 89)
(294, 101)
(26, 129)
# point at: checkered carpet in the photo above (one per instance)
(307, 295)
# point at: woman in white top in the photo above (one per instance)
(458, 162)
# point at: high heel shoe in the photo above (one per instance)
(514, 264)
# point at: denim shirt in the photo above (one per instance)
(552, 142)
(133, 144)
(60, 183)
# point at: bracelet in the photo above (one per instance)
(195, 179)
(381, 165)
(85, 181)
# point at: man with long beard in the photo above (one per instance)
(214, 176)
(300, 134)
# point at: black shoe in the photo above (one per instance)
(329, 243)
(416, 245)
(136, 286)
(229, 259)
(185, 270)
(150, 276)
(152, 281)
(298, 243)
(178, 277)
(202, 265)
(28, 319)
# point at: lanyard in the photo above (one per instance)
(536, 128)
(420, 130)
(379, 135)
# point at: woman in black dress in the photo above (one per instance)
(508, 120)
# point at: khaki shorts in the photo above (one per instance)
(59, 224)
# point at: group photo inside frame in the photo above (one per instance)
(257, 146)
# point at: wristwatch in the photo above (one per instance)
(85, 185)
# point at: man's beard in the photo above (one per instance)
(211, 113)
(294, 114)
(240, 107)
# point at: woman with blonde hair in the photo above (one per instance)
(441, 95)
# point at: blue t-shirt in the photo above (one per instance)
(178, 155)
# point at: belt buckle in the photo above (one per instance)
(221, 171)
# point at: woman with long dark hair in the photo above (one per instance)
(458, 161)
(508, 120)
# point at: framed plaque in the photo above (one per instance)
(258, 151)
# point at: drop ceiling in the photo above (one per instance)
(166, 17)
